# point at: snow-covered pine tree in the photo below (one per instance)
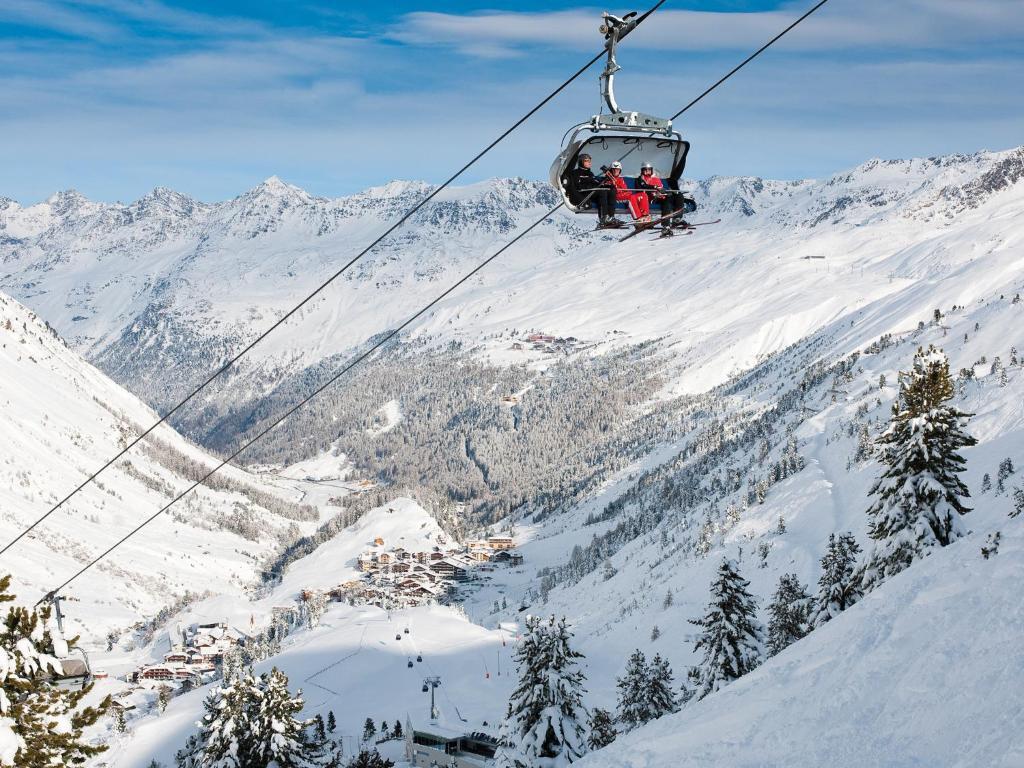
(279, 739)
(602, 729)
(839, 585)
(1018, 502)
(662, 697)
(40, 726)
(545, 720)
(918, 502)
(789, 612)
(224, 737)
(370, 758)
(369, 729)
(731, 635)
(634, 706)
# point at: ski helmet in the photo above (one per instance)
(616, 164)
(647, 166)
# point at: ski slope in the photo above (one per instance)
(926, 671)
(60, 419)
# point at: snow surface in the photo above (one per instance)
(61, 419)
(899, 239)
(923, 672)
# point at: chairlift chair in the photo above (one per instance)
(75, 674)
(632, 138)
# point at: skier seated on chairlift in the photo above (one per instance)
(670, 200)
(581, 184)
(639, 205)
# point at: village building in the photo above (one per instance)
(500, 542)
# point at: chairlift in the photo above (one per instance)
(419, 657)
(410, 663)
(425, 688)
(76, 672)
(398, 637)
(631, 138)
(406, 630)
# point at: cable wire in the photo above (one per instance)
(749, 59)
(392, 334)
(360, 358)
(405, 217)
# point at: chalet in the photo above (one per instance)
(434, 556)
(379, 542)
(430, 744)
(476, 544)
(500, 542)
(508, 558)
(176, 657)
(510, 400)
(366, 561)
(480, 555)
(159, 672)
(384, 558)
(517, 346)
(401, 568)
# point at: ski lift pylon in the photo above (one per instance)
(631, 138)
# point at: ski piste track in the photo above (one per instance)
(387, 338)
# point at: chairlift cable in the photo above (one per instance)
(749, 59)
(392, 334)
(405, 217)
(360, 358)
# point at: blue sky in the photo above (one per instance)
(114, 97)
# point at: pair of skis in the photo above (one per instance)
(653, 223)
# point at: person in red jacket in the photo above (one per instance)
(669, 200)
(639, 205)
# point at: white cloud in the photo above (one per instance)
(871, 24)
(58, 17)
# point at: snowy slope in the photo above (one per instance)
(352, 664)
(926, 671)
(60, 419)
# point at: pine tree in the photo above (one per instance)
(120, 724)
(279, 739)
(918, 497)
(661, 696)
(332, 724)
(385, 732)
(544, 723)
(634, 706)
(986, 483)
(163, 696)
(370, 758)
(789, 612)
(731, 635)
(223, 740)
(1018, 502)
(667, 602)
(40, 725)
(369, 729)
(318, 727)
(397, 730)
(602, 729)
(839, 586)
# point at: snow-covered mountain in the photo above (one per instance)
(723, 393)
(60, 419)
(158, 290)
